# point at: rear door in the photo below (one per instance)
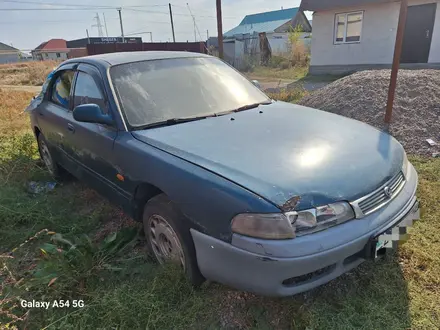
(54, 112)
(90, 145)
(418, 33)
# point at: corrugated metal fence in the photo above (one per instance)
(197, 47)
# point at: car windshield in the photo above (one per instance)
(159, 90)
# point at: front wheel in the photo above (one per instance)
(52, 167)
(168, 236)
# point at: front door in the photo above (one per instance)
(89, 145)
(418, 33)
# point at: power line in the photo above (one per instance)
(72, 5)
(50, 22)
(54, 4)
(177, 14)
(55, 9)
(195, 25)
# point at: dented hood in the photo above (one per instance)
(280, 151)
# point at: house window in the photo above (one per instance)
(58, 55)
(348, 27)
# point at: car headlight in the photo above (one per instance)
(267, 226)
(405, 164)
(310, 221)
(290, 224)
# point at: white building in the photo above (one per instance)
(54, 49)
(350, 35)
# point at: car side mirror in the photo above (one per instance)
(91, 113)
(256, 83)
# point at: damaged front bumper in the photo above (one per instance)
(288, 267)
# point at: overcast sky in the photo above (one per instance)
(26, 29)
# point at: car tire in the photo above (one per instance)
(52, 167)
(169, 238)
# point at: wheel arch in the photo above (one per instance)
(143, 193)
(37, 131)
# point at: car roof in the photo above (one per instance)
(111, 59)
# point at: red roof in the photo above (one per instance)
(53, 44)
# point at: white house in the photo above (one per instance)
(350, 35)
(54, 49)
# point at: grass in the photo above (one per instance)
(400, 292)
(293, 95)
(266, 73)
(28, 73)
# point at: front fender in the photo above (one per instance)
(207, 199)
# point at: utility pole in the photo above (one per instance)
(194, 21)
(195, 35)
(172, 23)
(98, 25)
(207, 34)
(396, 59)
(105, 24)
(120, 20)
(88, 38)
(219, 28)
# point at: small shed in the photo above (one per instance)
(276, 24)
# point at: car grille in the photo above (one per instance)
(378, 198)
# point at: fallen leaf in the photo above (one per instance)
(52, 281)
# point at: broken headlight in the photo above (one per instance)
(320, 218)
(290, 224)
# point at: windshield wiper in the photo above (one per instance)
(251, 106)
(171, 121)
(174, 121)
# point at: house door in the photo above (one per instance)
(418, 33)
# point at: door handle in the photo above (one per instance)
(41, 114)
(427, 34)
(71, 128)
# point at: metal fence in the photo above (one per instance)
(197, 47)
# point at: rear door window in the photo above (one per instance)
(88, 92)
(61, 88)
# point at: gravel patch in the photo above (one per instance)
(363, 96)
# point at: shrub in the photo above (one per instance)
(299, 55)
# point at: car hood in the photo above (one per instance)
(293, 156)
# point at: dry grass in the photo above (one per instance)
(12, 105)
(29, 73)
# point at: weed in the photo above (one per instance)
(293, 95)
